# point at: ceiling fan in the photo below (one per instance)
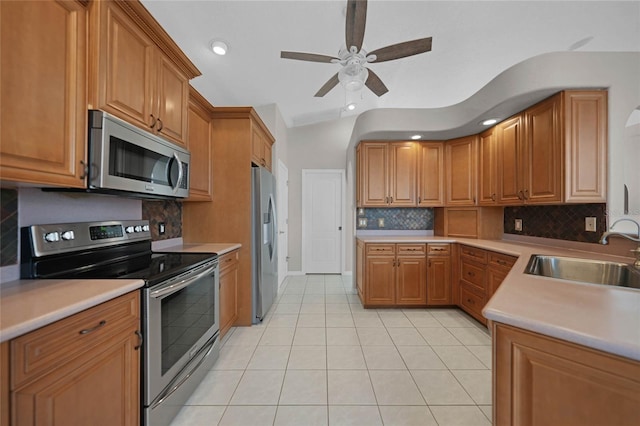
(354, 74)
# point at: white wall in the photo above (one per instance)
(317, 146)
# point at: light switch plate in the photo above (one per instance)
(590, 224)
(518, 225)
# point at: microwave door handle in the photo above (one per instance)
(170, 289)
(180, 172)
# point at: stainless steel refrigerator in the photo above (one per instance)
(264, 232)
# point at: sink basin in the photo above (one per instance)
(584, 270)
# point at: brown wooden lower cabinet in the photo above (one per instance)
(540, 381)
(228, 290)
(62, 376)
(439, 274)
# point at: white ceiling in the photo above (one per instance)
(473, 42)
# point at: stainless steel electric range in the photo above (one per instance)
(180, 302)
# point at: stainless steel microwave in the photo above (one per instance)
(126, 160)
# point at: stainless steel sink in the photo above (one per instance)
(584, 270)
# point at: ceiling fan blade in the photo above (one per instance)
(333, 82)
(356, 20)
(402, 50)
(313, 57)
(375, 84)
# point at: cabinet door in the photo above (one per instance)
(228, 298)
(461, 163)
(199, 144)
(402, 174)
(411, 280)
(585, 141)
(360, 269)
(173, 95)
(539, 380)
(439, 280)
(127, 68)
(379, 280)
(511, 161)
(257, 147)
(488, 168)
(431, 180)
(374, 174)
(100, 388)
(494, 279)
(43, 124)
(543, 179)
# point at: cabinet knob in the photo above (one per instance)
(471, 301)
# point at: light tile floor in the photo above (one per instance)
(320, 358)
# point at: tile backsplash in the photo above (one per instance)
(9, 227)
(168, 212)
(562, 222)
(396, 218)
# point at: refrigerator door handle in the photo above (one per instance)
(273, 230)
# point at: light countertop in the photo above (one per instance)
(26, 305)
(218, 248)
(598, 316)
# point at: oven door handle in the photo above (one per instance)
(168, 290)
(173, 386)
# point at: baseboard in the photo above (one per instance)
(290, 273)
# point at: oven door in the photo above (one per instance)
(181, 316)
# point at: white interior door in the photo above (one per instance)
(322, 219)
(283, 221)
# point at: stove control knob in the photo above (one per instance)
(68, 235)
(51, 237)
(129, 229)
(138, 228)
(145, 228)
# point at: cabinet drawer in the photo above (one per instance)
(409, 249)
(501, 260)
(471, 301)
(38, 352)
(472, 274)
(381, 249)
(476, 254)
(228, 260)
(439, 249)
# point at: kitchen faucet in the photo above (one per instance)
(607, 234)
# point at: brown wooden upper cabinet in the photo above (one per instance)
(140, 75)
(387, 174)
(43, 86)
(431, 174)
(199, 144)
(553, 152)
(461, 158)
(261, 148)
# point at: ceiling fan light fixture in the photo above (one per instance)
(353, 77)
(219, 47)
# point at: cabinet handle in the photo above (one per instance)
(85, 170)
(471, 301)
(521, 195)
(501, 262)
(437, 249)
(525, 194)
(160, 124)
(140, 340)
(471, 274)
(153, 121)
(391, 200)
(419, 199)
(493, 197)
(90, 330)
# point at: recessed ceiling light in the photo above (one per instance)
(489, 122)
(219, 47)
(351, 106)
(416, 137)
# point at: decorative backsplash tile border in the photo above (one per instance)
(562, 222)
(168, 212)
(396, 218)
(8, 227)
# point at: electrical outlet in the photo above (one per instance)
(362, 222)
(518, 225)
(590, 224)
(381, 222)
(161, 228)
